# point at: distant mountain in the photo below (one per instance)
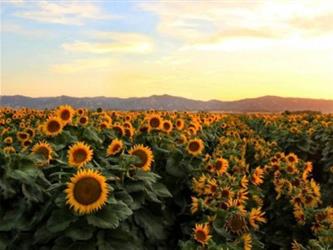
(167, 102)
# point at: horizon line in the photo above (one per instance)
(160, 95)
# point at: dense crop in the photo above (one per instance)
(80, 179)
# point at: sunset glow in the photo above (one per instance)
(204, 50)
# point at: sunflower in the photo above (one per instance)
(154, 122)
(104, 125)
(129, 132)
(26, 143)
(31, 132)
(221, 166)
(298, 212)
(80, 111)
(87, 191)
(167, 126)
(201, 233)
(256, 216)
(195, 147)
(181, 139)
(211, 187)
(79, 154)
(115, 147)
(145, 156)
(43, 149)
(65, 113)
(83, 120)
(53, 126)
(247, 241)
(236, 224)
(296, 246)
(292, 158)
(120, 131)
(8, 140)
(257, 176)
(195, 205)
(22, 136)
(180, 124)
(9, 150)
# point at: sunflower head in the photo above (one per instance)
(79, 154)
(53, 126)
(236, 224)
(195, 147)
(9, 150)
(31, 132)
(115, 147)
(167, 126)
(180, 124)
(87, 191)
(120, 131)
(8, 140)
(83, 120)
(26, 143)
(292, 158)
(201, 233)
(43, 149)
(65, 113)
(145, 156)
(154, 122)
(22, 136)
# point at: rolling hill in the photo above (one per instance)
(167, 102)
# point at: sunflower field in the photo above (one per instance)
(94, 179)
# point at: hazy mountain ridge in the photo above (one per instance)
(167, 102)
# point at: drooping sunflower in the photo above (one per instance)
(115, 147)
(9, 150)
(145, 155)
(256, 216)
(79, 154)
(43, 149)
(257, 176)
(53, 126)
(65, 113)
(195, 205)
(87, 191)
(236, 224)
(247, 241)
(195, 147)
(120, 131)
(181, 139)
(201, 233)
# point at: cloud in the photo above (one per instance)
(113, 42)
(18, 29)
(69, 12)
(317, 24)
(195, 21)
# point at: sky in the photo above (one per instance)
(204, 50)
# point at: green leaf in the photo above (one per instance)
(59, 220)
(152, 224)
(110, 216)
(161, 190)
(79, 231)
